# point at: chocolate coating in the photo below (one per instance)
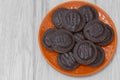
(109, 37)
(73, 21)
(46, 40)
(57, 17)
(79, 36)
(100, 57)
(67, 61)
(85, 52)
(88, 12)
(62, 41)
(95, 31)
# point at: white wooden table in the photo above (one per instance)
(20, 57)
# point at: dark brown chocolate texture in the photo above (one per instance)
(73, 21)
(57, 17)
(46, 40)
(89, 13)
(109, 37)
(76, 37)
(67, 61)
(62, 41)
(100, 57)
(95, 31)
(85, 52)
(79, 37)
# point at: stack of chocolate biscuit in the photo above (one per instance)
(78, 37)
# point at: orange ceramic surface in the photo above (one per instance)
(82, 70)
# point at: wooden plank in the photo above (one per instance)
(16, 40)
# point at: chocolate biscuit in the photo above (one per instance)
(67, 61)
(88, 12)
(57, 17)
(85, 52)
(73, 21)
(62, 41)
(100, 57)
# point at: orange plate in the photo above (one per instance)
(51, 57)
